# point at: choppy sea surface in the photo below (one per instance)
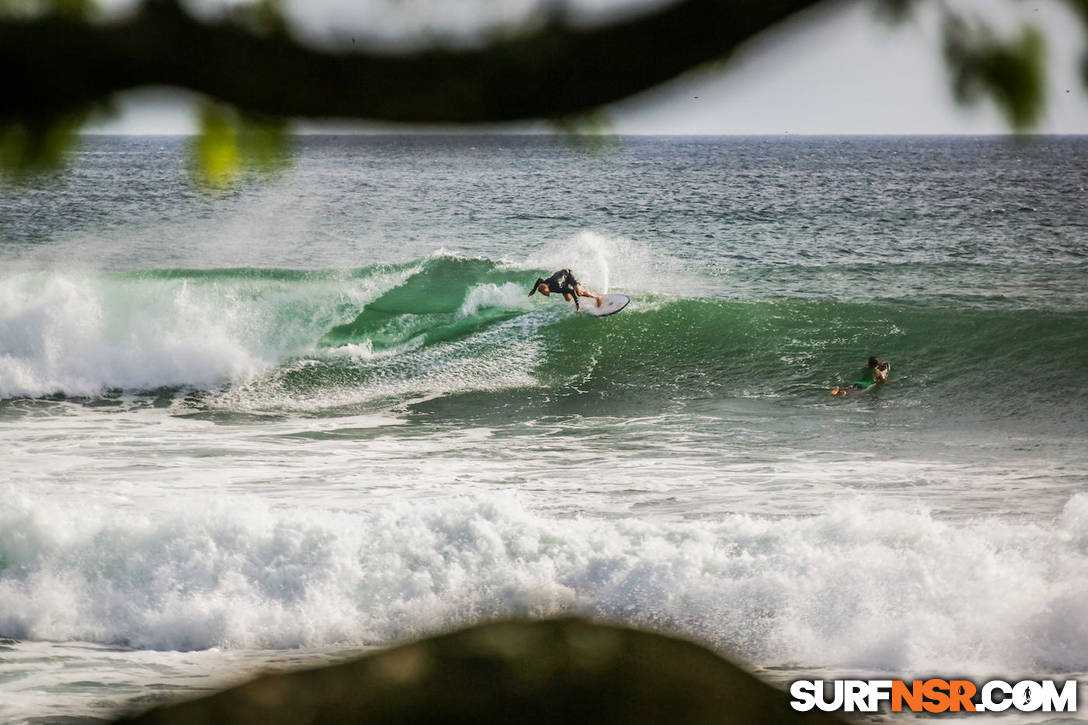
(318, 414)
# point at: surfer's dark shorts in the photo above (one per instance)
(562, 282)
(570, 287)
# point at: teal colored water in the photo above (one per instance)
(321, 412)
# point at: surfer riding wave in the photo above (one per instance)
(563, 282)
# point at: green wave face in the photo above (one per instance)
(665, 350)
(776, 345)
(703, 353)
(464, 334)
(428, 307)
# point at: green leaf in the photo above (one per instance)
(216, 157)
(894, 11)
(265, 143)
(1012, 72)
(71, 8)
(263, 17)
(35, 145)
(591, 132)
(231, 144)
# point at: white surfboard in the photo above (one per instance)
(610, 305)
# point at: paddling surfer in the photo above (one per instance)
(564, 283)
(874, 372)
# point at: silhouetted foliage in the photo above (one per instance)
(550, 672)
(61, 66)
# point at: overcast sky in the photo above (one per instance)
(841, 72)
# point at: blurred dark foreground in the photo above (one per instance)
(560, 671)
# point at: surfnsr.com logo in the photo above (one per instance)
(934, 695)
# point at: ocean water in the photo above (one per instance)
(320, 414)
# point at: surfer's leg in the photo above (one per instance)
(583, 293)
(835, 390)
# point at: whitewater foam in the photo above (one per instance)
(75, 334)
(508, 296)
(603, 262)
(82, 332)
(858, 587)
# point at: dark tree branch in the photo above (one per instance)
(53, 65)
